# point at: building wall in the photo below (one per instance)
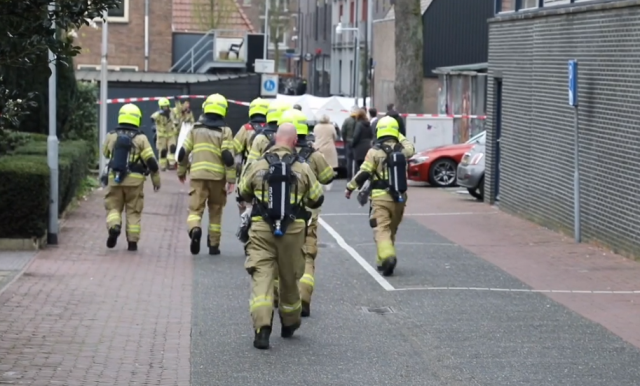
(126, 39)
(529, 51)
(455, 32)
(385, 70)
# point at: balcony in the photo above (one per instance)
(216, 49)
(347, 38)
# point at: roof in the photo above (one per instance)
(424, 4)
(471, 68)
(195, 16)
(153, 77)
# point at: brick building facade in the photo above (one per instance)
(126, 38)
(533, 163)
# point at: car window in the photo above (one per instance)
(478, 138)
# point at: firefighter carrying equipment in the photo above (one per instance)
(260, 140)
(297, 118)
(396, 172)
(258, 106)
(279, 211)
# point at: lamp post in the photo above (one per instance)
(52, 144)
(103, 87)
(339, 30)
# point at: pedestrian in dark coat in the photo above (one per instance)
(362, 138)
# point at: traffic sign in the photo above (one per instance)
(573, 83)
(269, 85)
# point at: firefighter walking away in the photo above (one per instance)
(165, 133)
(282, 187)
(212, 171)
(131, 159)
(385, 166)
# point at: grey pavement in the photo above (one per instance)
(424, 338)
(13, 263)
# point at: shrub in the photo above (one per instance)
(25, 196)
(83, 123)
(74, 158)
(9, 140)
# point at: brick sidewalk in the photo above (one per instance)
(85, 315)
(539, 257)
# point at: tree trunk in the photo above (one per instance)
(409, 48)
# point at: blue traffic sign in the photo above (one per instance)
(573, 83)
(269, 85)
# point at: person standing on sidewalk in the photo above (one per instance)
(385, 166)
(324, 174)
(347, 131)
(362, 138)
(130, 160)
(280, 187)
(211, 143)
(164, 133)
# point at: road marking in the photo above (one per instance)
(356, 256)
(410, 243)
(415, 214)
(594, 292)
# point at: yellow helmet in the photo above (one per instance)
(164, 102)
(297, 118)
(258, 106)
(216, 104)
(387, 127)
(130, 114)
(276, 108)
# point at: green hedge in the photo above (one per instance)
(23, 168)
(25, 196)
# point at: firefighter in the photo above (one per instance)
(241, 142)
(165, 142)
(324, 174)
(212, 171)
(276, 236)
(385, 166)
(130, 160)
(262, 139)
(181, 114)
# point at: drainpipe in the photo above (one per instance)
(146, 35)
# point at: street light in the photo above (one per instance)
(339, 30)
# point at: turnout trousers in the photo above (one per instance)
(268, 256)
(384, 218)
(166, 151)
(129, 199)
(211, 194)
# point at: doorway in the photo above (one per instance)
(497, 100)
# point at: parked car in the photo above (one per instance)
(471, 171)
(342, 158)
(438, 166)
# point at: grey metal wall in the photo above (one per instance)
(455, 32)
(241, 89)
(530, 53)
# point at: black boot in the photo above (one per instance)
(261, 338)
(306, 309)
(196, 235)
(214, 250)
(114, 233)
(287, 331)
(388, 266)
(133, 246)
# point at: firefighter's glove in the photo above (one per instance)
(155, 180)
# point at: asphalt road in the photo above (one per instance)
(412, 337)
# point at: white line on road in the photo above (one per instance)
(356, 256)
(414, 214)
(516, 290)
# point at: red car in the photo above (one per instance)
(438, 166)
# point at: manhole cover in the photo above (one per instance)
(378, 310)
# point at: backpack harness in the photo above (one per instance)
(396, 165)
(121, 163)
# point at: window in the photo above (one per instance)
(340, 14)
(279, 28)
(351, 11)
(315, 22)
(528, 4)
(327, 23)
(120, 14)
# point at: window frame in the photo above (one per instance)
(118, 19)
(541, 4)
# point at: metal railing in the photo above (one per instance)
(204, 51)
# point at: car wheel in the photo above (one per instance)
(442, 173)
(474, 193)
(481, 189)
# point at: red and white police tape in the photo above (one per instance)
(148, 99)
